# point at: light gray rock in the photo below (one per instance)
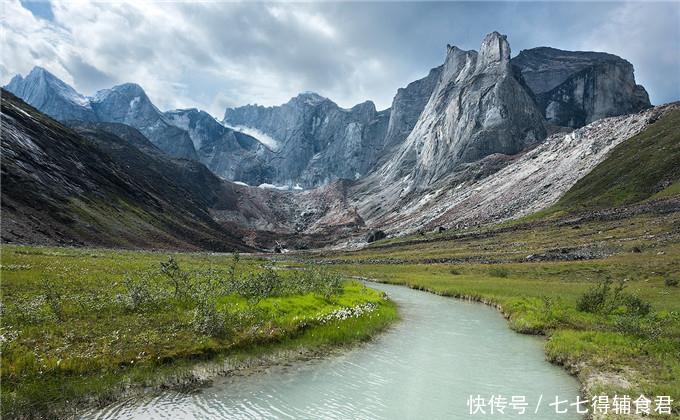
(129, 104)
(480, 106)
(228, 153)
(574, 88)
(407, 106)
(318, 141)
(47, 93)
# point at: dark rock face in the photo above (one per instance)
(52, 96)
(317, 140)
(574, 88)
(128, 104)
(228, 153)
(86, 186)
(375, 235)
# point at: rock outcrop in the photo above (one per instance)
(407, 106)
(479, 106)
(575, 88)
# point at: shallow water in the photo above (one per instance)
(427, 366)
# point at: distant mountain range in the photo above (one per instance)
(462, 146)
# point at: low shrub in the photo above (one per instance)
(671, 282)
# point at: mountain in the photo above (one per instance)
(126, 103)
(228, 153)
(479, 106)
(557, 168)
(472, 156)
(317, 140)
(480, 139)
(52, 96)
(90, 187)
(129, 104)
(575, 88)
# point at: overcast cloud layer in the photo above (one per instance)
(216, 54)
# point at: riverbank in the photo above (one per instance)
(85, 327)
(538, 276)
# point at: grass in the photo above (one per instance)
(75, 330)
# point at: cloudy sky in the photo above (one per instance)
(215, 54)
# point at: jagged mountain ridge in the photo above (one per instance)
(230, 154)
(318, 140)
(106, 184)
(468, 120)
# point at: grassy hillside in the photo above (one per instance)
(85, 324)
(647, 165)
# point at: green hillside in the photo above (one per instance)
(645, 166)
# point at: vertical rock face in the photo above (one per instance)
(479, 106)
(228, 153)
(52, 96)
(128, 104)
(317, 140)
(407, 106)
(574, 88)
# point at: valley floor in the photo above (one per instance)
(83, 327)
(544, 276)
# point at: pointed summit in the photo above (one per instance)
(51, 95)
(494, 48)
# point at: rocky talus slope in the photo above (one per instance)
(528, 183)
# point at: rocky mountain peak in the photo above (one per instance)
(494, 49)
(309, 98)
(45, 91)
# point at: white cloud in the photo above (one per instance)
(216, 54)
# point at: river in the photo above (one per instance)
(443, 352)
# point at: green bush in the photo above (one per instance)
(207, 319)
(603, 298)
(671, 282)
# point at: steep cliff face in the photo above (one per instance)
(128, 104)
(574, 88)
(52, 96)
(479, 106)
(407, 106)
(317, 140)
(228, 153)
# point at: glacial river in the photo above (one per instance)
(427, 366)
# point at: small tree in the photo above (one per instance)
(177, 278)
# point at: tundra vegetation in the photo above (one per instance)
(86, 324)
(603, 291)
